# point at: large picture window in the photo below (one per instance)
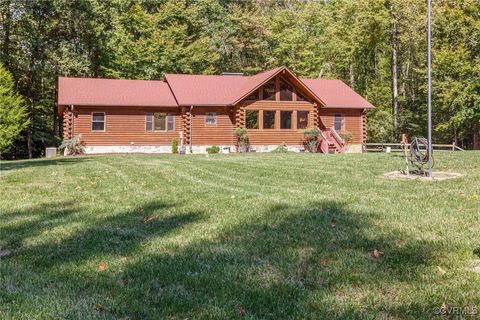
(269, 91)
(251, 119)
(98, 121)
(160, 121)
(286, 91)
(338, 122)
(269, 119)
(285, 119)
(302, 119)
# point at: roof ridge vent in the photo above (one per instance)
(232, 74)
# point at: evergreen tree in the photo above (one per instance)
(12, 112)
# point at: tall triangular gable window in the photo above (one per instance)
(254, 95)
(300, 97)
(286, 91)
(280, 84)
(269, 90)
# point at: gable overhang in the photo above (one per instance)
(291, 77)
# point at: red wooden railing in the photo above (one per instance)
(323, 142)
(341, 144)
(331, 140)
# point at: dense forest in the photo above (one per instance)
(378, 47)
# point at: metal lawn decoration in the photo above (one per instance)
(418, 158)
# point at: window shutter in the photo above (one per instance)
(170, 122)
(149, 123)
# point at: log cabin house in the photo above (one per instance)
(276, 107)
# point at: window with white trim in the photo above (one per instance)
(210, 118)
(98, 121)
(160, 121)
(149, 123)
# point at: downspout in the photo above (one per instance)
(191, 119)
(72, 124)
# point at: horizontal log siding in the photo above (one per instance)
(278, 136)
(353, 121)
(220, 133)
(124, 125)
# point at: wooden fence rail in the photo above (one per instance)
(397, 147)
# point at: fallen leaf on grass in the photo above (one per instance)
(440, 270)
(102, 267)
(323, 262)
(376, 254)
(241, 310)
(356, 286)
(145, 219)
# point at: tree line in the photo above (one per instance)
(378, 47)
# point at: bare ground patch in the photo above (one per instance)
(437, 176)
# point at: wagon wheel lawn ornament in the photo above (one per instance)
(416, 155)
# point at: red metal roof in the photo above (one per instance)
(109, 92)
(221, 90)
(336, 94)
(197, 90)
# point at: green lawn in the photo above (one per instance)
(261, 236)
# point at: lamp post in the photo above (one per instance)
(429, 38)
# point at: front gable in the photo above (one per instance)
(278, 85)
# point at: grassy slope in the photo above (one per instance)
(234, 235)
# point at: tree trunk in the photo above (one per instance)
(6, 27)
(30, 96)
(352, 77)
(476, 138)
(30, 141)
(394, 72)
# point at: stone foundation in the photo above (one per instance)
(354, 148)
(127, 149)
